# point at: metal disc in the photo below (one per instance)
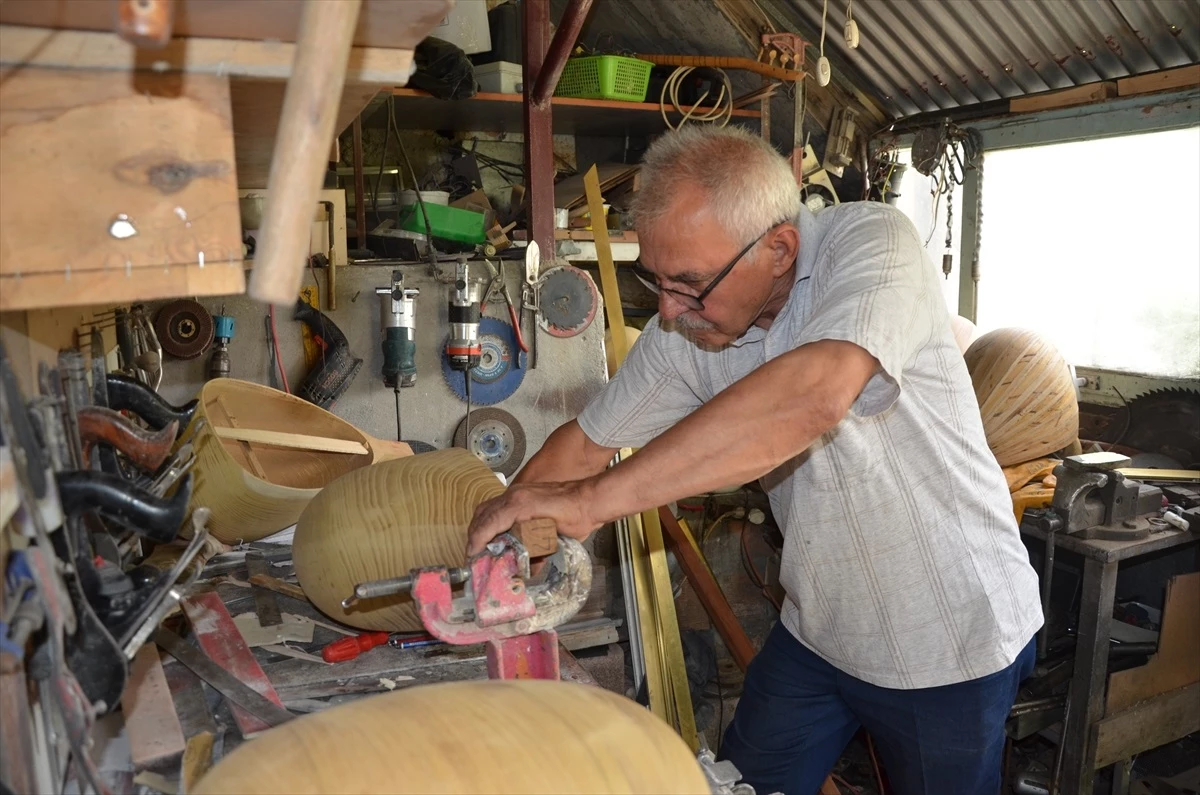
(184, 329)
(501, 367)
(569, 300)
(496, 439)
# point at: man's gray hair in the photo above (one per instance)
(750, 186)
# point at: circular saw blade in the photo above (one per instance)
(496, 439)
(501, 367)
(184, 329)
(569, 300)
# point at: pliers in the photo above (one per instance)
(499, 285)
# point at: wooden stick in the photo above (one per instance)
(306, 123)
(251, 458)
(278, 586)
(298, 441)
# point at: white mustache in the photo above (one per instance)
(689, 322)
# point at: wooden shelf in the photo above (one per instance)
(487, 112)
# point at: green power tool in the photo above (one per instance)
(397, 320)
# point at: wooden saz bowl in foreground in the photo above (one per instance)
(382, 521)
(1026, 394)
(517, 736)
(256, 488)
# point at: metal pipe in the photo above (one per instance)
(360, 188)
(539, 133)
(560, 50)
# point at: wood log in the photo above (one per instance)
(382, 521)
(254, 490)
(526, 736)
(1025, 393)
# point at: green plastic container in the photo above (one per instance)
(447, 223)
(605, 77)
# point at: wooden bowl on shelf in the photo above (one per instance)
(262, 455)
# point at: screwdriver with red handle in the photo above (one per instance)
(349, 648)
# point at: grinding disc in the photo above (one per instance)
(501, 367)
(496, 438)
(569, 299)
(184, 329)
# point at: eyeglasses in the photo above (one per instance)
(695, 302)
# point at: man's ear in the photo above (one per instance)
(785, 244)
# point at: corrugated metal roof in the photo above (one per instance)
(929, 55)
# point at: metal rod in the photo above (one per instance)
(360, 190)
(539, 134)
(560, 50)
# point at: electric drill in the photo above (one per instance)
(219, 364)
(463, 349)
(397, 321)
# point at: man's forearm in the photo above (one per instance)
(568, 454)
(744, 432)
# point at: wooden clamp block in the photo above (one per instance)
(155, 734)
(538, 536)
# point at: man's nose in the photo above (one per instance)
(670, 307)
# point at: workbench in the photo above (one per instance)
(1086, 700)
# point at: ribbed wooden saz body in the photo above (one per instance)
(521, 737)
(255, 489)
(1025, 393)
(382, 521)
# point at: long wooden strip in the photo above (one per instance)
(278, 586)
(150, 717)
(1175, 475)
(708, 591)
(222, 642)
(297, 441)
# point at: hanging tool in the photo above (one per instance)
(219, 364)
(499, 371)
(498, 604)
(529, 295)
(128, 394)
(496, 438)
(185, 328)
(398, 326)
(143, 448)
(326, 382)
(463, 349)
(500, 286)
(568, 300)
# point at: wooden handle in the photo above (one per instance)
(538, 536)
(310, 106)
(145, 23)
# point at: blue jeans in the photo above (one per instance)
(798, 712)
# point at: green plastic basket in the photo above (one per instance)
(605, 77)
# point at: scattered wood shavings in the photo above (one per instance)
(390, 684)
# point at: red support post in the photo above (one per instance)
(539, 133)
(560, 50)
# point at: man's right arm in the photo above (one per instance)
(568, 454)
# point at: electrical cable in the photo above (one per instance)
(275, 344)
(399, 435)
(719, 114)
(416, 186)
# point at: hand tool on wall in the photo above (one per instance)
(219, 364)
(529, 296)
(462, 347)
(499, 286)
(398, 333)
(326, 382)
(129, 394)
(151, 517)
(499, 605)
(145, 449)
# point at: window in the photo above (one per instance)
(1097, 245)
(928, 213)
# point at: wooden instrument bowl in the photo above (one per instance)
(1026, 394)
(246, 506)
(523, 737)
(383, 521)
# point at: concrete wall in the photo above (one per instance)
(569, 372)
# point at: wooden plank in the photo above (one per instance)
(1152, 723)
(297, 441)
(219, 638)
(266, 608)
(197, 758)
(155, 734)
(1183, 77)
(490, 112)
(708, 590)
(166, 165)
(61, 289)
(76, 49)
(1078, 95)
(381, 23)
(1176, 664)
(278, 586)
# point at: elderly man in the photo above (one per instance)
(813, 352)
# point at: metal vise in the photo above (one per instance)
(1095, 501)
(498, 605)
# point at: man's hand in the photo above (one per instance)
(569, 504)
